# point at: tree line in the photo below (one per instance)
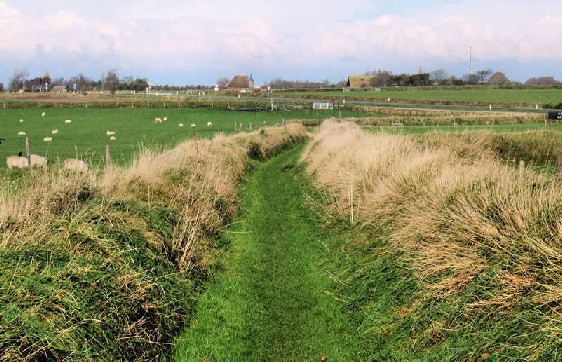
(108, 82)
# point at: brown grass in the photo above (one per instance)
(453, 216)
(114, 260)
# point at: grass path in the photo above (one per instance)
(272, 300)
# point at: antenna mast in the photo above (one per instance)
(470, 59)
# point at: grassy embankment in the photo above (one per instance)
(108, 267)
(272, 301)
(444, 252)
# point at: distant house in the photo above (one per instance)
(58, 89)
(361, 81)
(241, 81)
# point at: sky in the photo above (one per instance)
(196, 42)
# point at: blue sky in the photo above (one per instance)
(196, 42)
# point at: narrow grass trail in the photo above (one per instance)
(272, 301)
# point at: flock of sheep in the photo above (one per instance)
(164, 119)
(72, 164)
(37, 161)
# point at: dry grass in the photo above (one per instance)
(107, 267)
(454, 216)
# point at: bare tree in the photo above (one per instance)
(222, 82)
(17, 80)
(438, 74)
(483, 75)
(110, 81)
(541, 81)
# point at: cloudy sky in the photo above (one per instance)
(197, 41)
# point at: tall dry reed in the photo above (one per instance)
(453, 216)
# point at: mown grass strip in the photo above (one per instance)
(273, 300)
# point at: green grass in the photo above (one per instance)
(272, 301)
(478, 95)
(86, 137)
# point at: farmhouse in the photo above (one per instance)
(241, 81)
(361, 81)
(58, 89)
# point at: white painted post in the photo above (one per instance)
(27, 152)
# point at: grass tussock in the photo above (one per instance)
(475, 233)
(108, 267)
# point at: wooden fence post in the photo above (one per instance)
(521, 168)
(560, 167)
(27, 152)
(107, 157)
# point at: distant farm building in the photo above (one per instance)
(361, 81)
(58, 89)
(322, 105)
(241, 81)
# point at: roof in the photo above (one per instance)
(361, 81)
(58, 88)
(239, 81)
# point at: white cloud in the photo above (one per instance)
(287, 34)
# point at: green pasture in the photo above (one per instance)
(86, 137)
(528, 97)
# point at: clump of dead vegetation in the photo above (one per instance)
(457, 212)
(108, 267)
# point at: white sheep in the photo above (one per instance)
(38, 161)
(47, 139)
(209, 124)
(43, 114)
(193, 125)
(55, 131)
(16, 162)
(110, 133)
(68, 121)
(157, 120)
(21, 133)
(180, 125)
(113, 138)
(74, 164)
(165, 119)
(21, 120)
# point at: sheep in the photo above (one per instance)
(193, 125)
(110, 133)
(21, 133)
(47, 139)
(113, 138)
(68, 121)
(209, 124)
(73, 164)
(157, 120)
(55, 131)
(165, 119)
(180, 125)
(38, 161)
(21, 120)
(16, 162)
(43, 114)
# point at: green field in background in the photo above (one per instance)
(86, 136)
(513, 96)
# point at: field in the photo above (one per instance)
(86, 137)
(482, 96)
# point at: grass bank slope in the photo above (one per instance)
(273, 301)
(452, 257)
(108, 267)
